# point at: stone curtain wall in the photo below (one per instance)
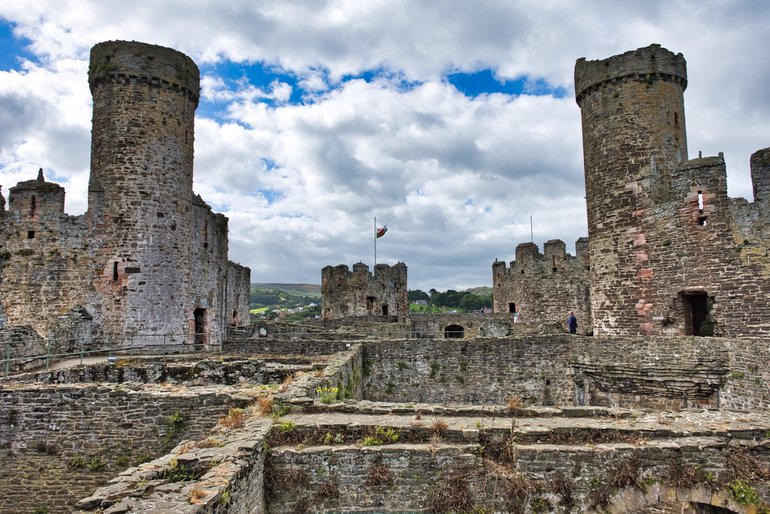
(209, 268)
(747, 384)
(74, 438)
(533, 369)
(563, 370)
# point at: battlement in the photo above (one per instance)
(528, 258)
(643, 64)
(131, 61)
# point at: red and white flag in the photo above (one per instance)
(381, 231)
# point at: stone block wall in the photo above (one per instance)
(208, 317)
(75, 437)
(44, 256)
(747, 383)
(344, 375)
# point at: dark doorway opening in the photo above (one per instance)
(511, 307)
(370, 303)
(201, 327)
(384, 310)
(697, 321)
(454, 332)
(705, 508)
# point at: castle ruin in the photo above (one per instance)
(346, 293)
(334, 416)
(670, 253)
(148, 260)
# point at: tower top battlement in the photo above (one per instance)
(641, 63)
(153, 64)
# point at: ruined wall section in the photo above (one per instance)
(140, 188)
(75, 438)
(544, 287)
(44, 255)
(238, 294)
(751, 228)
(628, 372)
(347, 293)
(208, 316)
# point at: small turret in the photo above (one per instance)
(35, 198)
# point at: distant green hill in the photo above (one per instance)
(310, 290)
(481, 290)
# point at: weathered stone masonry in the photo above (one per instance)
(148, 258)
(670, 253)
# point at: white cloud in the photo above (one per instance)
(455, 178)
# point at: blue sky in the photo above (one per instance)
(452, 122)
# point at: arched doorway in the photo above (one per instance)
(454, 332)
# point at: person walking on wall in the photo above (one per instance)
(572, 323)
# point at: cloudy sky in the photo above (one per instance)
(450, 121)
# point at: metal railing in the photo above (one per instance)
(14, 360)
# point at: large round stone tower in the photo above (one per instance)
(140, 189)
(632, 108)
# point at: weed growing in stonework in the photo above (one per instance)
(327, 394)
(77, 462)
(176, 424)
(382, 435)
(43, 509)
(286, 426)
(743, 492)
(95, 463)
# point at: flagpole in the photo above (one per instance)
(375, 240)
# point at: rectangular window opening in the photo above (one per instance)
(115, 271)
(30, 234)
